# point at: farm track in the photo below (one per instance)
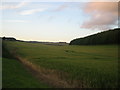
(51, 77)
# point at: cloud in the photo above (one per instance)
(61, 7)
(31, 11)
(103, 0)
(22, 4)
(4, 7)
(16, 21)
(66, 0)
(103, 15)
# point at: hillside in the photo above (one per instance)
(15, 74)
(60, 66)
(106, 37)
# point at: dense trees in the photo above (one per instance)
(9, 38)
(106, 37)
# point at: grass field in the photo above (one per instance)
(80, 66)
(16, 76)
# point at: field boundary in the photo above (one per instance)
(51, 77)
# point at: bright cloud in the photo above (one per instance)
(103, 15)
(3, 7)
(61, 7)
(31, 11)
(15, 21)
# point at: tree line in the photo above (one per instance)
(107, 37)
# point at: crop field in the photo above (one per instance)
(78, 66)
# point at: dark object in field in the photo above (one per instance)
(107, 37)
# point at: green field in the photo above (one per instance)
(79, 66)
(16, 76)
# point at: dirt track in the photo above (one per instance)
(51, 77)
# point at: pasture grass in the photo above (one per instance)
(93, 66)
(14, 75)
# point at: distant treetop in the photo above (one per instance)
(9, 38)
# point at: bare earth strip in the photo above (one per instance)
(51, 77)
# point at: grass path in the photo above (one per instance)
(51, 77)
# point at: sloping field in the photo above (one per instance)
(70, 66)
(16, 76)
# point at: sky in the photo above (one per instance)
(56, 21)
